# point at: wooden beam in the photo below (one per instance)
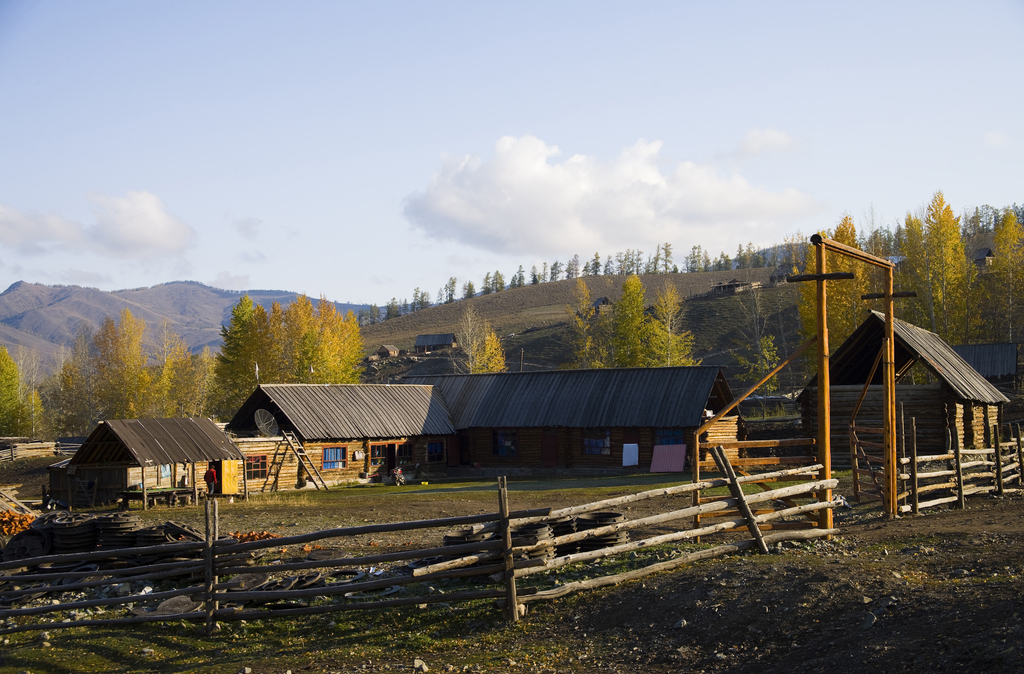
(821, 276)
(824, 386)
(899, 295)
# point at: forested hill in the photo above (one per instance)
(531, 320)
(44, 317)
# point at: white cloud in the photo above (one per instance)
(763, 141)
(85, 278)
(994, 139)
(133, 226)
(229, 281)
(137, 225)
(521, 202)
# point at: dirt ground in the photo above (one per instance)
(938, 592)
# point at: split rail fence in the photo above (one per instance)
(930, 480)
(218, 579)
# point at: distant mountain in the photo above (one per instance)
(45, 317)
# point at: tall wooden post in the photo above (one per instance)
(889, 399)
(511, 601)
(824, 390)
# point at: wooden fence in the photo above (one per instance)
(221, 580)
(930, 480)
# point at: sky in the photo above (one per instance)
(361, 150)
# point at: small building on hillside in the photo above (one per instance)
(431, 343)
(159, 454)
(347, 431)
(995, 362)
(983, 258)
(961, 398)
(387, 351)
(580, 419)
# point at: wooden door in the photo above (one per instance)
(549, 449)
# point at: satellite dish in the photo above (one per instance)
(267, 424)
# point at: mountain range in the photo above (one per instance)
(44, 318)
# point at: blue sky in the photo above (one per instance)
(361, 150)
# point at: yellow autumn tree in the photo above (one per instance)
(122, 379)
(492, 356)
(1007, 288)
(670, 343)
(951, 272)
(587, 330)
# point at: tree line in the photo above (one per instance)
(123, 371)
(626, 263)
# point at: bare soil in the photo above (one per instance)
(938, 592)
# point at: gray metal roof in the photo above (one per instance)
(851, 362)
(446, 339)
(347, 411)
(990, 360)
(150, 442)
(666, 397)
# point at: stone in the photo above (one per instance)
(146, 652)
(420, 666)
(679, 625)
(869, 620)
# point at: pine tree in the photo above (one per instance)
(586, 345)
(671, 345)
(468, 291)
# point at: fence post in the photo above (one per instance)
(959, 471)
(913, 464)
(208, 567)
(511, 601)
(1020, 458)
(999, 459)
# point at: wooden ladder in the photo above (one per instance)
(304, 460)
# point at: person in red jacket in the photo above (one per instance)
(211, 480)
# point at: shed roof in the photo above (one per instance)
(666, 397)
(990, 360)
(347, 411)
(445, 339)
(388, 347)
(851, 362)
(150, 442)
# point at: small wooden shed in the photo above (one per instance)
(431, 343)
(961, 399)
(387, 351)
(155, 454)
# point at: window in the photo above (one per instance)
(669, 436)
(335, 457)
(256, 467)
(435, 452)
(405, 453)
(505, 443)
(598, 441)
(377, 454)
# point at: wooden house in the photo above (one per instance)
(339, 432)
(579, 419)
(960, 399)
(387, 351)
(430, 343)
(151, 455)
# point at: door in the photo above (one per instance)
(454, 455)
(464, 447)
(549, 449)
(228, 473)
(391, 458)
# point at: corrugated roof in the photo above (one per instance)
(446, 339)
(666, 397)
(851, 362)
(347, 411)
(150, 442)
(990, 360)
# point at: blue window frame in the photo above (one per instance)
(335, 457)
(506, 443)
(598, 441)
(669, 436)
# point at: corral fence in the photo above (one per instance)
(930, 480)
(219, 579)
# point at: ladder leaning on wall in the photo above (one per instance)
(300, 453)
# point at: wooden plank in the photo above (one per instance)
(737, 491)
(757, 444)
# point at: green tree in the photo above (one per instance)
(632, 327)
(759, 362)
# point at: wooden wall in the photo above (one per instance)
(933, 407)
